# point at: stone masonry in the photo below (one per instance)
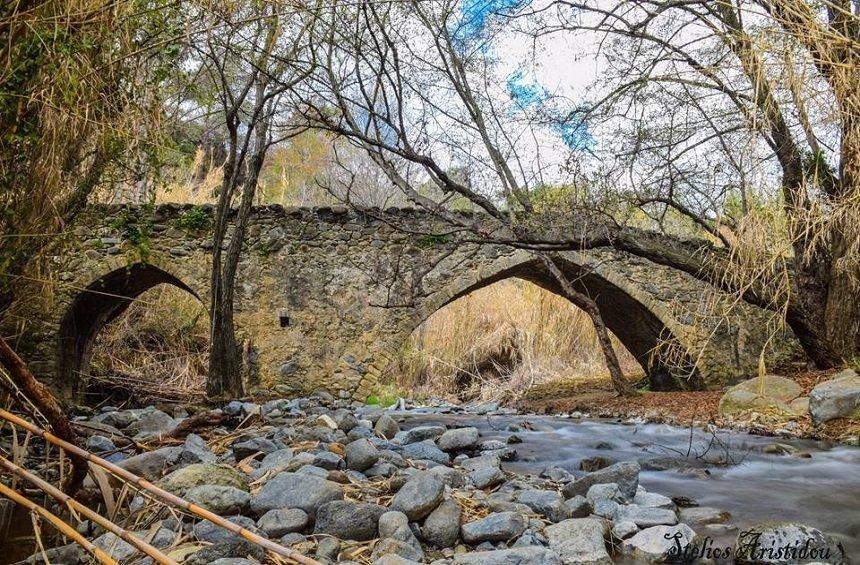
(326, 296)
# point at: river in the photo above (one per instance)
(821, 490)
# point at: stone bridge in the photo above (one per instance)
(326, 296)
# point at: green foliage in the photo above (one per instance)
(432, 240)
(136, 230)
(264, 249)
(194, 221)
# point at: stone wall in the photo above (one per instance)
(325, 297)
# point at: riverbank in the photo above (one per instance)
(345, 482)
(699, 408)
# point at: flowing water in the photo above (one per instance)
(822, 490)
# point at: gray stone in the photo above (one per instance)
(604, 491)
(460, 439)
(837, 398)
(529, 555)
(275, 461)
(393, 559)
(391, 546)
(451, 477)
(180, 481)
(700, 515)
(557, 474)
(294, 490)
(653, 500)
(546, 502)
(225, 550)
(119, 419)
(577, 507)
(487, 477)
(623, 530)
(348, 520)
(498, 526)
(152, 423)
(221, 500)
(195, 450)
(395, 525)
(481, 462)
(115, 546)
(442, 526)
(625, 474)
(100, 444)
(421, 433)
(658, 543)
(645, 517)
(793, 535)
(579, 541)
(426, 449)
(251, 447)
(151, 464)
(386, 427)
(207, 531)
(328, 548)
(329, 461)
(419, 496)
(281, 521)
(361, 455)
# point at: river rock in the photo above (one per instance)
(195, 450)
(579, 541)
(442, 526)
(529, 555)
(205, 530)
(328, 461)
(770, 394)
(701, 515)
(281, 521)
(252, 447)
(361, 455)
(386, 426)
(100, 444)
(487, 477)
(546, 502)
(277, 460)
(348, 520)
(557, 474)
(498, 526)
(577, 507)
(460, 439)
(427, 450)
(295, 490)
(421, 433)
(180, 481)
(653, 500)
(752, 544)
(837, 398)
(623, 530)
(419, 496)
(225, 550)
(115, 546)
(645, 517)
(222, 500)
(655, 544)
(625, 474)
(152, 423)
(394, 547)
(482, 462)
(395, 525)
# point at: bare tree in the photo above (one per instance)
(252, 54)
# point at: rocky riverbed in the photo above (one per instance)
(350, 483)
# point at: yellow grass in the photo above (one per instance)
(499, 341)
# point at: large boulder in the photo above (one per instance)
(442, 526)
(180, 481)
(625, 474)
(295, 490)
(770, 395)
(659, 543)
(579, 541)
(498, 526)
(419, 496)
(349, 520)
(806, 544)
(837, 398)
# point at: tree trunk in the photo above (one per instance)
(47, 405)
(589, 306)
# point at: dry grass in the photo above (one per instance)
(156, 350)
(499, 341)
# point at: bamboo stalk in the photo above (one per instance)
(63, 527)
(168, 497)
(57, 494)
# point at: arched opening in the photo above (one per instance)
(502, 339)
(648, 348)
(126, 300)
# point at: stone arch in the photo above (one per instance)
(96, 305)
(643, 325)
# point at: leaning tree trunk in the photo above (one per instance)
(586, 304)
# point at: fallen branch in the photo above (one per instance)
(58, 523)
(208, 419)
(73, 504)
(160, 493)
(47, 405)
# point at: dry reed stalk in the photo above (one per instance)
(58, 523)
(86, 511)
(158, 492)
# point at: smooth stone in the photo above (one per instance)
(658, 543)
(703, 515)
(419, 496)
(487, 477)
(426, 449)
(180, 481)
(579, 541)
(459, 439)
(348, 520)
(281, 521)
(498, 526)
(361, 455)
(836, 398)
(442, 526)
(645, 517)
(386, 426)
(294, 490)
(625, 474)
(784, 534)
(421, 433)
(221, 500)
(528, 555)
(546, 502)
